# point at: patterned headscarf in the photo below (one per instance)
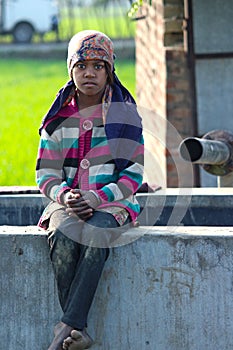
(89, 45)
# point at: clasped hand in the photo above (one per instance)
(81, 203)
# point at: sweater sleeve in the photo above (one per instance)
(130, 179)
(49, 168)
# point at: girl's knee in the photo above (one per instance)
(96, 255)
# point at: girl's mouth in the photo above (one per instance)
(89, 83)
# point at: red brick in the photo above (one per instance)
(163, 74)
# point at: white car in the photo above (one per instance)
(23, 18)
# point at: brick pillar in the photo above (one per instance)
(163, 91)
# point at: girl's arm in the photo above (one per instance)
(130, 179)
(49, 172)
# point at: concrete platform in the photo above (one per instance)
(171, 289)
(186, 206)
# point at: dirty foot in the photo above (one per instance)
(78, 340)
(61, 332)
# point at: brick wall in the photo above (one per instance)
(163, 91)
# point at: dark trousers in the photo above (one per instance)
(77, 266)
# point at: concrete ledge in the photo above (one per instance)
(189, 207)
(171, 289)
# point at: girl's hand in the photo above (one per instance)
(78, 205)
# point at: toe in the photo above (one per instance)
(66, 343)
(76, 334)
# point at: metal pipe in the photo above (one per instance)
(201, 151)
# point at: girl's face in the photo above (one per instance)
(90, 77)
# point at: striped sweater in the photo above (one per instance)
(74, 153)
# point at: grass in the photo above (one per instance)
(28, 88)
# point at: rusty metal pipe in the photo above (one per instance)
(201, 151)
(214, 152)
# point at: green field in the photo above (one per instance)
(112, 21)
(27, 89)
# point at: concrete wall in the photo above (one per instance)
(28, 304)
(171, 289)
(185, 206)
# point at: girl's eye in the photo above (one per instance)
(81, 66)
(99, 66)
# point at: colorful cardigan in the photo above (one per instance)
(59, 164)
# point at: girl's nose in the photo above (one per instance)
(89, 72)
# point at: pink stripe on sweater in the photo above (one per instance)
(45, 184)
(70, 110)
(45, 153)
(129, 183)
(70, 153)
(139, 150)
(99, 151)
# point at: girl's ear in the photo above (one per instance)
(71, 74)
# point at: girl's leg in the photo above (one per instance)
(77, 267)
(84, 285)
(64, 255)
(88, 271)
(64, 252)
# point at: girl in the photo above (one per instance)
(90, 164)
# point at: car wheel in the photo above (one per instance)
(23, 32)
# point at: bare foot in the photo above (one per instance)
(61, 332)
(78, 340)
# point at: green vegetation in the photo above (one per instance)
(111, 20)
(28, 88)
